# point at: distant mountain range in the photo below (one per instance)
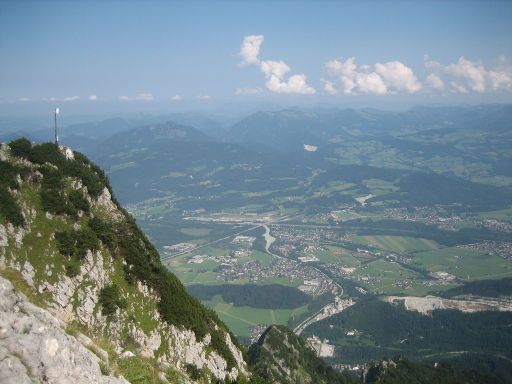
(149, 157)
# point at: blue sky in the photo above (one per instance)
(142, 54)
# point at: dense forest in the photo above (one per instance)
(406, 372)
(272, 296)
(487, 288)
(383, 329)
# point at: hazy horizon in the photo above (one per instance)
(95, 58)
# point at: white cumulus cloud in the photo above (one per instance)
(345, 71)
(398, 76)
(379, 79)
(275, 71)
(329, 87)
(203, 97)
(176, 98)
(466, 75)
(501, 78)
(459, 88)
(93, 98)
(250, 49)
(431, 65)
(23, 99)
(139, 97)
(472, 74)
(294, 84)
(434, 82)
(371, 83)
(145, 97)
(247, 91)
(274, 68)
(71, 98)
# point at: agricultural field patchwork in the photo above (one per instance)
(464, 263)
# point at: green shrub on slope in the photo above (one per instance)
(9, 207)
(79, 201)
(76, 242)
(110, 299)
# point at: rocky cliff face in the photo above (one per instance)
(77, 254)
(34, 347)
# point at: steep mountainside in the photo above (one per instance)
(283, 131)
(170, 159)
(69, 246)
(148, 135)
(280, 356)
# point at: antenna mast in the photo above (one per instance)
(56, 136)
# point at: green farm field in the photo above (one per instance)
(241, 319)
(385, 270)
(502, 214)
(380, 187)
(464, 263)
(262, 257)
(336, 254)
(344, 256)
(195, 273)
(399, 244)
(196, 232)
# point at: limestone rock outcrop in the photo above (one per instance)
(34, 347)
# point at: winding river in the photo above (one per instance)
(268, 238)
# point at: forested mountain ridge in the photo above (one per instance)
(279, 356)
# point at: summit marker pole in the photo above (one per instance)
(56, 136)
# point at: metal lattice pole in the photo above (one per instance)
(56, 136)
